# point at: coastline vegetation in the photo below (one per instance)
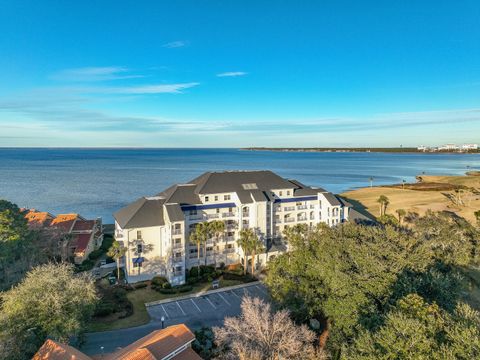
(359, 149)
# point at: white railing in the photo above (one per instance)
(303, 218)
(213, 216)
(228, 214)
(289, 208)
(290, 219)
(302, 207)
(176, 232)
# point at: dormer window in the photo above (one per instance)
(206, 198)
(226, 197)
(280, 193)
(216, 198)
(288, 192)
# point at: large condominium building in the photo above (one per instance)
(155, 230)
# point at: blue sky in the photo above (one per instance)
(239, 73)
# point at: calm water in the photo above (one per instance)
(97, 182)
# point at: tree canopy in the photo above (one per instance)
(350, 276)
(51, 301)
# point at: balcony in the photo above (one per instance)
(229, 251)
(289, 208)
(177, 232)
(302, 207)
(177, 246)
(245, 226)
(289, 219)
(177, 259)
(229, 238)
(302, 218)
(312, 206)
(195, 217)
(178, 273)
(228, 214)
(277, 208)
(213, 216)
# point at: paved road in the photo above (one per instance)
(207, 310)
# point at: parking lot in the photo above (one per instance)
(206, 310)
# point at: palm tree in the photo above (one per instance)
(245, 241)
(383, 201)
(116, 252)
(217, 228)
(199, 236)
(256, 246)
(401, 214)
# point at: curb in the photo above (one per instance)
(201, 293)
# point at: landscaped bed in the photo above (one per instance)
(124, 306)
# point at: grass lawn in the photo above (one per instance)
(420, 200)
(138, 298)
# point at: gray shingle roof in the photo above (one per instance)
(174, 212)
(332, 199)
(144, 212)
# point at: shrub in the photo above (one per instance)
(166, 285)
(106, 243)
(86, 265)
(193, 272)
(95, 254)
(209, 269)
(234, 276)
(119, 292)
(166, 291)
(105, 309)
(184, 288)
(159, 280)
(140, 285)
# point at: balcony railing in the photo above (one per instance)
(289, 219)
(213, 216)
(229, 238)
(177, 259)
(229, 251)
(289, 208)
(312, 206)
(302, 218)
(245, 226)
(228, 214)
(312, 217)
(177, 246)
(176, 231)
(177, 273)
(245, 214)
(196, 217)
(302, 207)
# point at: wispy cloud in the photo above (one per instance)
(232, 74)
(175, 44)
(150, 89)
(92, 74)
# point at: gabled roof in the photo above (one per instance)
(174, 212)
(144, 212)
(183, 194)
(52, 350)
(65, 222)
(37, 218)
(157, 345)
(332, 199)
(80, 242)
(84, 225)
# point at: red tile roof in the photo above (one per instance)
(80, 242)
(84, 225)
(64, 221)
(157, 345)
(37, 218)
(52, 350)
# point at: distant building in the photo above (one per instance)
(172, 343)
(448, 147)
(470, 146)
(85, 235)
(156, 230)
(422, 148)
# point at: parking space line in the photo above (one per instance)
(165, 311)
(234, 293)
(261, 290)
(206, 297)
(183, 312)
(224, 299)
(195, 305)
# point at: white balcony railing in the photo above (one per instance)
(176, 231)
(289, 208)
(302, 207)
(213, 216)
(302, 218)
(289, 219)
(228, 214)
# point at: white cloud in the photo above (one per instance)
(175, 44)
(232, 74)
(148, 89)
(88, 74)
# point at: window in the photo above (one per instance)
(192, 212)
(226, 197)
(178, 269)
(137, 264)
(206, 198)
(216, 198)
(288, 192)
(178, 241)
(230, 210)
(139, 235)
(280, 193)
(230, 233)
(218, 211)
(178, 255)
(139, 248)
(229, 246)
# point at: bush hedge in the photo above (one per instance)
(95, 254)
(176, 289)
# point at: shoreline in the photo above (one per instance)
(406, 150)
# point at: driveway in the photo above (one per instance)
(196, 312)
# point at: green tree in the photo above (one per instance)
(16, 246)
(51, 301)
(247, 237)
(217, 229)
(256, 246)
(116, 252)
(415, 329)
(383, 202)
(401, 215)
(199, 236)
